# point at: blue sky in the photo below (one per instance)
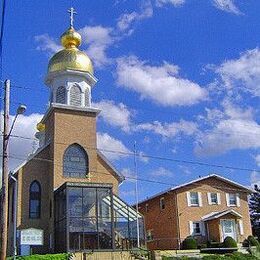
(179, 77)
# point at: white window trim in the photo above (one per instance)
(218, 198)
(241, 227)
(202, 228)
(237, 200)
(162, 199)
(199, 199)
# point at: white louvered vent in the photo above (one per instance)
(75, 96)
(61, 95)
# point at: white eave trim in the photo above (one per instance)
(30, 157)
(103, 157)
(217, 215)
(68, 107)
(246, 189)
(88, 76)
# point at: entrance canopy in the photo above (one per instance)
(88, 216)
(219, 214)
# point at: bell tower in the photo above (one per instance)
(70, 120)
(70, 72)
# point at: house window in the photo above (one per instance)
(146, 207)
(75, 96)
(149, 235)
(61, 95)
(196, 228)
(35, 200)
(194, 199)
(232, 199)
(75, 162)
(214, 198)
(162, 204)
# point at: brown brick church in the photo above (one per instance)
(68, 188)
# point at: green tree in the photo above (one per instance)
(254, 205)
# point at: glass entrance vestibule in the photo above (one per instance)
(90, 216)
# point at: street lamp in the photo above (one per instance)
(20, 111)
(4, 193)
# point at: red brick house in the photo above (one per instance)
(208, 208)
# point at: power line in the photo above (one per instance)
(143, 109)
(161, 158)
(125, 176)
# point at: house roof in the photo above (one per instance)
(120, 177)
(30, 157)
(240, 186)
(215, 215)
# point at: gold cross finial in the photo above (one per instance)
(72, 11)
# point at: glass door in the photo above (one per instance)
(228, 228)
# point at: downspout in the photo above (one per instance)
(15, 215)
(178, 222)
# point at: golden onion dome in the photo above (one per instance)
(70, 58)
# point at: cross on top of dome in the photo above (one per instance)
(72, 11)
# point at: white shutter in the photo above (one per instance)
(238, 200)
(219, 199)
(188, 198)
(227, 199)
(200, 199)
(209, 198)
(241, 227)
(202, 228)
(191, 227)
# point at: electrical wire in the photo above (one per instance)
(147, 156)
(109, 174)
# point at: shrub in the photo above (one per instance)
(44, 257)
(245, 243)
(229, 242)
(189, 243)
(201, 246)
(252, 241)
(216, 245)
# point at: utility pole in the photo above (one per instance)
(136, 196)
(5, 171)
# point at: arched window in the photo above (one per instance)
(35, 200)
(87, 101)
(75, 96)
(75, 162)
(61, 95)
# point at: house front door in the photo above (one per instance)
(228, 228)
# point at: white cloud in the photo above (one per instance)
(161, 172)
(227, 6)
(235, 128)
(20, 148)
(175, 3)
(115, 114)
(113, 148)
(126, 20)
(257, 160)
(255, 179)
(242, 73)
(162, 84)
(46, 43)
(98, 40)
(168, 130)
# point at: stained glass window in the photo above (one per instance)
(75, 162)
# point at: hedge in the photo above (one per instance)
(45, 257)
(189, 243)
(252, 241)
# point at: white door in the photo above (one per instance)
(228, 228)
